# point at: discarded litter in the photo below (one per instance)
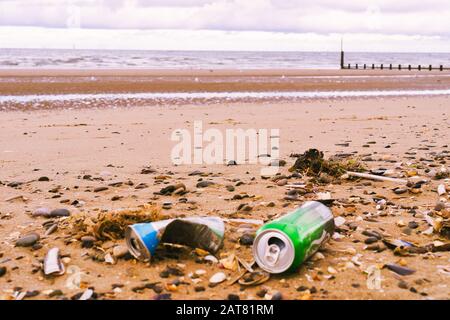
(198, 232)
(375, 177)
(283, 244)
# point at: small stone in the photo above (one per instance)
(400, 190)
(87, 242)
(41, 212)
(233, 296)
(28, 240)
(232, 163)
(282, 182)
(247, 239)
(370, 240)
(277, 296)
(199, 288)
(439, 206)
(413, 225)
(100, 189)
(119, 251)
(230, 188)
(43, 179)
(204, 184)
(60, 213)
(261, 293)
(2, 271)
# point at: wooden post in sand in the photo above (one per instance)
(430, 67)
(441, 68)
(419, 67)
(373, 66)
(399, 67)
(382, 67)
(409, 67)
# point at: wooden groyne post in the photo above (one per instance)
(408, 67)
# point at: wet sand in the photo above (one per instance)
(111, 145)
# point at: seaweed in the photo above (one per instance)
(312, 163)
(111, 225)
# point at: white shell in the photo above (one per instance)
(218, 278)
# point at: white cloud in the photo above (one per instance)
(32, 37)
(372, 22)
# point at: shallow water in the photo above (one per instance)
(219, 95)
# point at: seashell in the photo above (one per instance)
(53, 264)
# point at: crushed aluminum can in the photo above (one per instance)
(285, 243)
(53, 264)
(197, 232)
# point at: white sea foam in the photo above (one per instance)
(219, 95)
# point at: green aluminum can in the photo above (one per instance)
(285, 243)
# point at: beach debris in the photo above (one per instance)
(205, 233)
(254, 278)
(276, 242)
(230, 263)
(312, 163)
(403, 271)
(88, 294)
(439, 225)
(217, 278)
(53, 264)
(28, 240)
(375, 177)
(16, 198)
(112, 225)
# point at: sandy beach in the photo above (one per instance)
(88, 157)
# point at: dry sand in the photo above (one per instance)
(115, 144)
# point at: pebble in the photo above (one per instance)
(403, 284)
(41, 212)
(100, 189)
(2, 271)
(120, 251)
(277, 296)
(87, 242)
(230, 188)
(370, 240)
(282, 182)
(233, 296)
(439, 206)
(400, 190)
(204, 184)
(28, 240)
(60, 213)
(413, 225)
(43, 179)
(199, 288)
(247, 239)
(217, 278)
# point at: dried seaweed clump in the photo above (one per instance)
(112, 225)
(312, 163)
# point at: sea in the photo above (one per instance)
(113, 59)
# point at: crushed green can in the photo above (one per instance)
(285, 243)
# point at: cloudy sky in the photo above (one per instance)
(366, 25)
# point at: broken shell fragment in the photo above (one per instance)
(403, 271)
(254, 278)
(441, 190)
(53, 264)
